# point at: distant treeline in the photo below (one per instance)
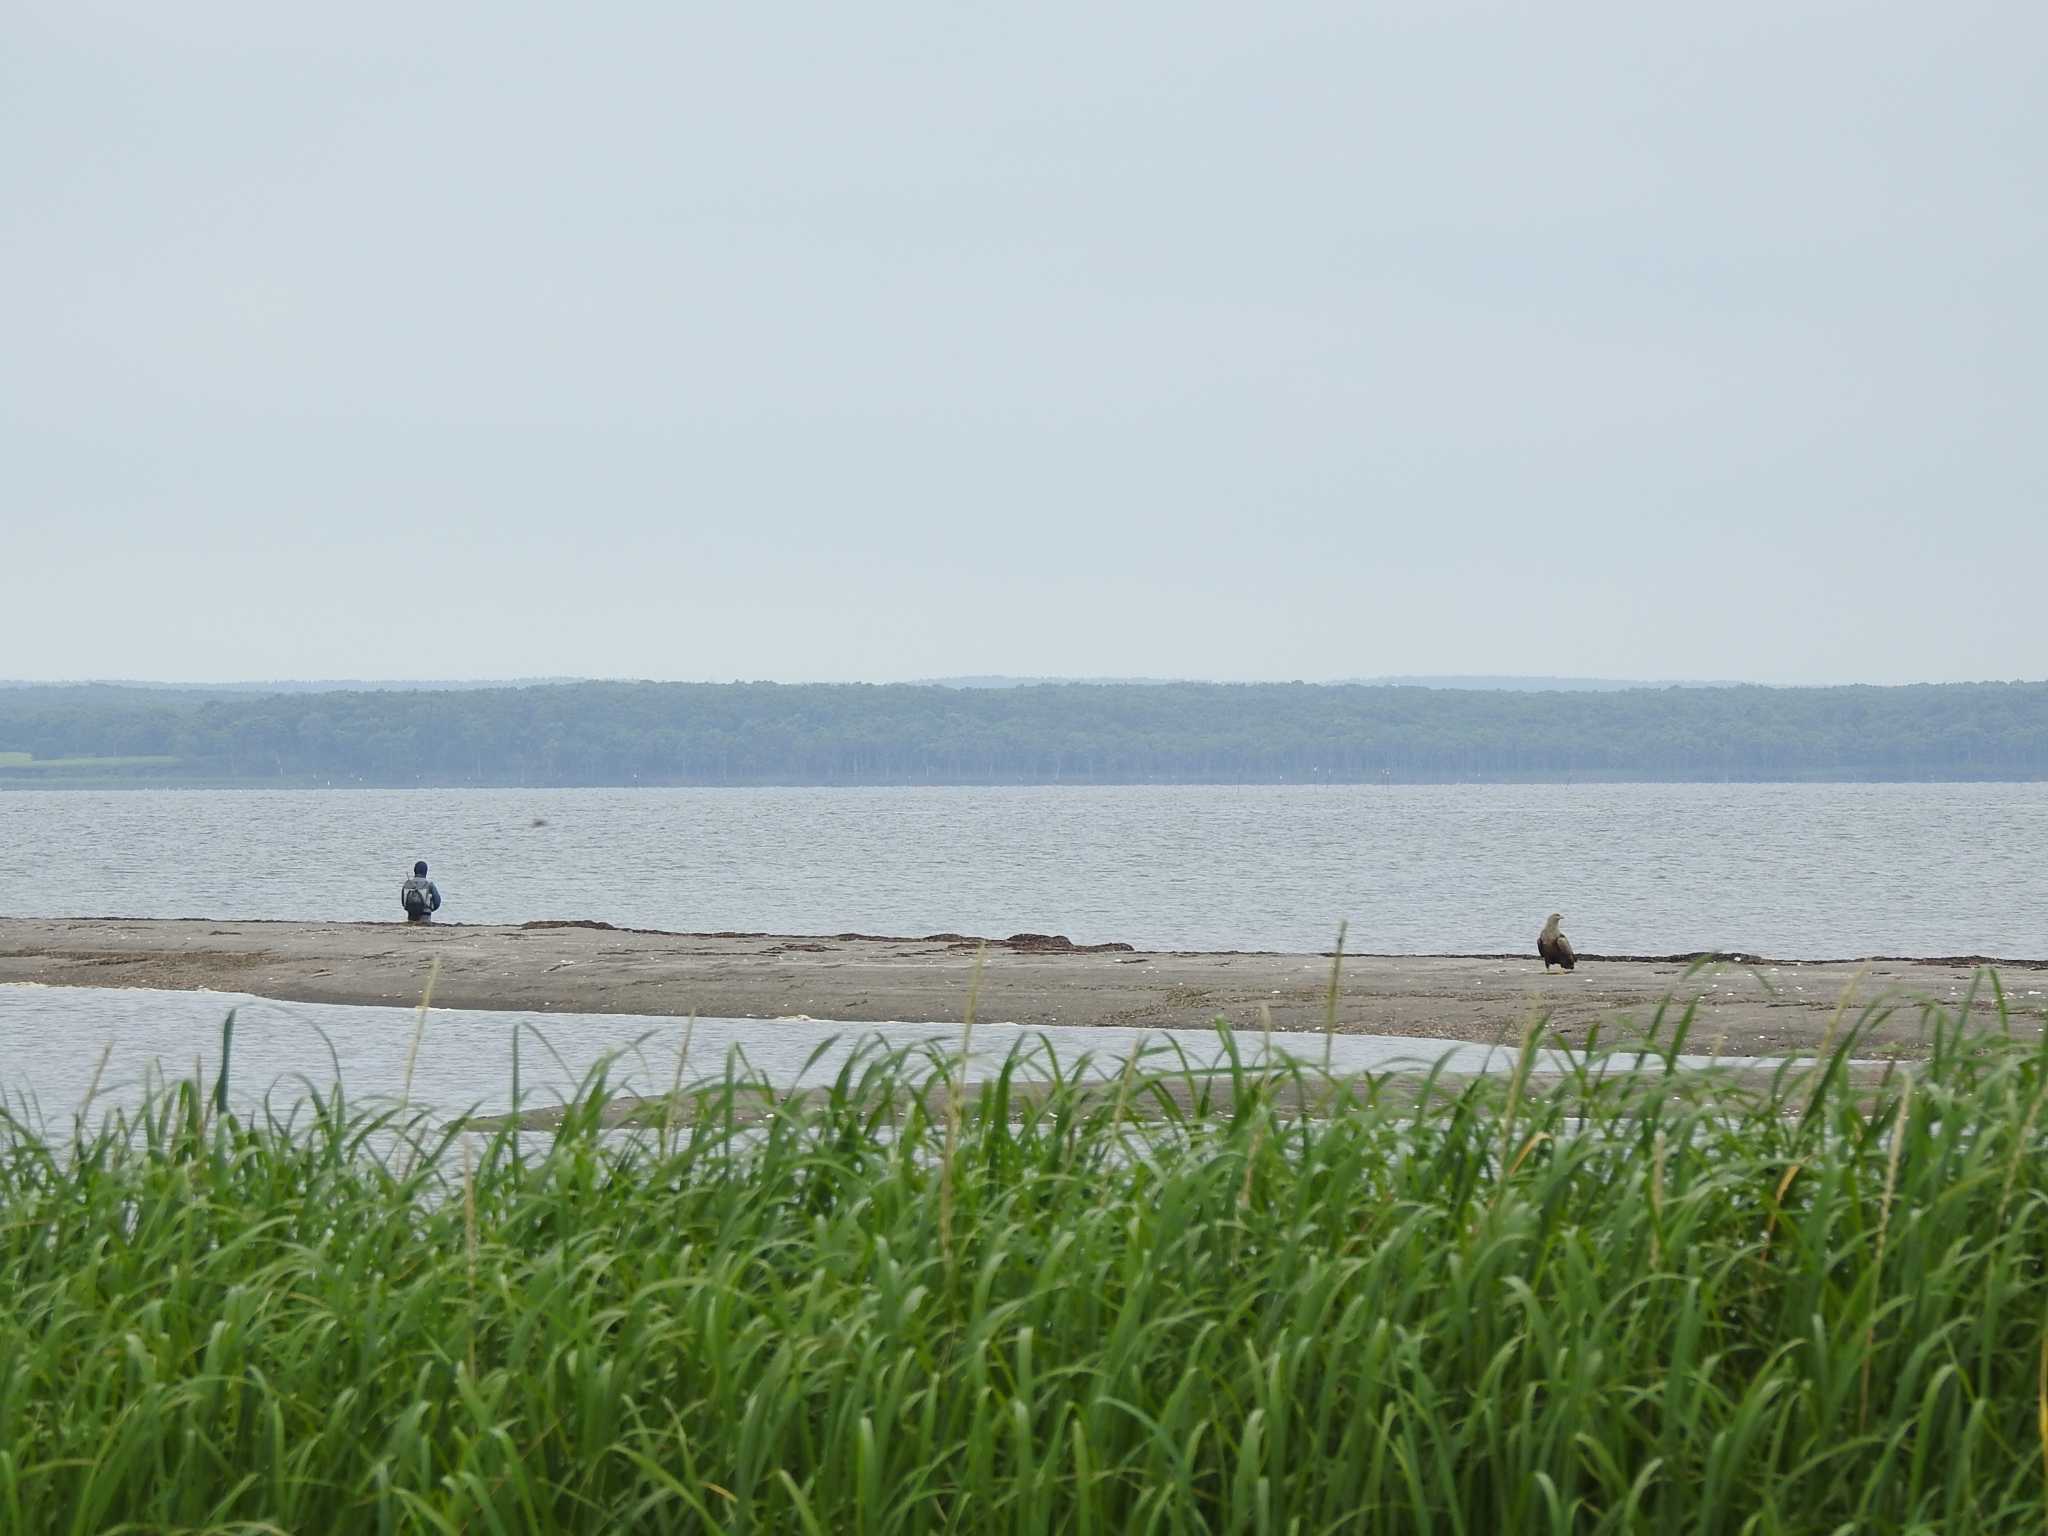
(765, 733)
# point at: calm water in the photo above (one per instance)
(52, 1039)
(1807, 871)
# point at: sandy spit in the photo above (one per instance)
(1748, 1007)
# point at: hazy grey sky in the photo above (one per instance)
(883, 341)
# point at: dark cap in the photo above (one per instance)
(420, 868)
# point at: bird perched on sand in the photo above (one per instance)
(1554, 947)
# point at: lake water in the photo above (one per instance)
(52, 1040)
(1796, 871)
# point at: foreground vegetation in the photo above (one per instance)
(764, 733)
(1630, 1300)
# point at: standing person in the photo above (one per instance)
(420, 897)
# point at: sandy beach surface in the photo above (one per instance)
(1747, 1007)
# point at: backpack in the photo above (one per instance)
(414, 896)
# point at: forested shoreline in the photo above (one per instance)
(621, 733)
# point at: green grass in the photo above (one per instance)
(1624, 1302)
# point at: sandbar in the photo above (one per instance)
(1744, 1006)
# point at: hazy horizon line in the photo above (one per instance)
(1461, 681)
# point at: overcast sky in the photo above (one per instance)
(885, 341)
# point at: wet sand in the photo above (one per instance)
(1745, 1007)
